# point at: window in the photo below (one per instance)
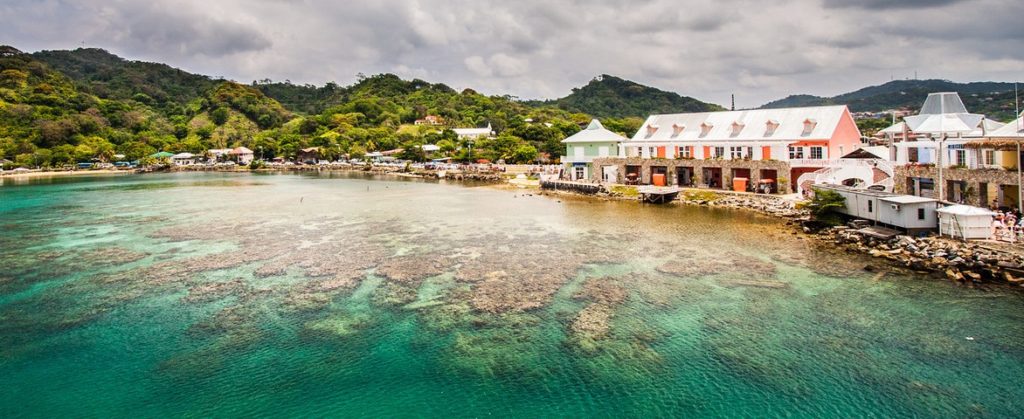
(736, 153)
(871, 206)
(796, 153)
(817, 153)
(686, 151)
(719, 151)
(652, 151)
(920, 213)
(960, 157)
(988, 157)
(579, 172)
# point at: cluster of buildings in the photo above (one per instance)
(943, 152)
(240, 155)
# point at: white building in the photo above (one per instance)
(183, 159)
(581, 148)
(242, 155)
(474, 133)
(965, 222)
(911, 213)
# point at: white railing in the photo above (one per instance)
(836, 162)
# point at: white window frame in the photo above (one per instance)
(796, 153)
(820, 151)
(684, 151)
(718, 151)
(579, 172)
(736, 153)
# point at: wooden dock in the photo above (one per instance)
(658, 194)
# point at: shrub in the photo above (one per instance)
(824, 205)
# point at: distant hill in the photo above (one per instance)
(609, 96)
(994, 99)
(111, 77)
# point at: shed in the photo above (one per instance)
(965, 221)
(914, 214)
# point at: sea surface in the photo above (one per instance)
(231, 295)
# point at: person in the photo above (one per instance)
(998, 227)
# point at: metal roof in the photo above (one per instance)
(807, 123)
(908, 199)
(964, 210)
(1014, 129)
(594, 133)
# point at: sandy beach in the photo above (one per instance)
(29, 175)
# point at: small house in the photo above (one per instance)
(914, 214)
(965, 221)
(581, 148)
(242, 155)
(183, 159)
(309, 155)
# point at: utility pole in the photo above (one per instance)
(733, 108)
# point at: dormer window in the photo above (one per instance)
(770, 127)
(809, 125)
(677, 129)
(737, 127)
(705, 128)
(651, 129)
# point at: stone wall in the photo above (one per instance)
(973, 177)
(782, 169)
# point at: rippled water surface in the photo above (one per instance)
(310, 296)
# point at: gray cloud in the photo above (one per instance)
(541, 48)
(889, 4)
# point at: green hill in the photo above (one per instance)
(994, 99)
(109, 76)
(609, 96)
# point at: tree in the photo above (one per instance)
(219, 116)
(525, 153)
(824, 204)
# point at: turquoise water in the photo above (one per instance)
(307, 296)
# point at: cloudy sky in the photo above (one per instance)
(543, 48)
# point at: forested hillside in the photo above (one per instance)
(609, 96)
(62, 107)
(989, 98)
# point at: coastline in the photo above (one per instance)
(974, 263)
(62, 173)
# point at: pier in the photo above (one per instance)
(658, 194)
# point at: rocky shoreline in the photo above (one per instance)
(969, 263)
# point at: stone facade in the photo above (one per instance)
(674, 166)
(974, 178)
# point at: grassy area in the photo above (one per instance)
(629, 191)
(700, 196)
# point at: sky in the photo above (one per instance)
(758, 50)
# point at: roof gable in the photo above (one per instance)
(817, 122)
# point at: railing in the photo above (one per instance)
(836, 163)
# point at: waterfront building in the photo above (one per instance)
(948, 153)
(242, 155)
(581, 148)
(736, 149)
(183, 159)
(914, 214)
(309, 155)
(965, 222)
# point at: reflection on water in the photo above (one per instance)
(214, 294)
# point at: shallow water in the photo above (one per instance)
(287, 295)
